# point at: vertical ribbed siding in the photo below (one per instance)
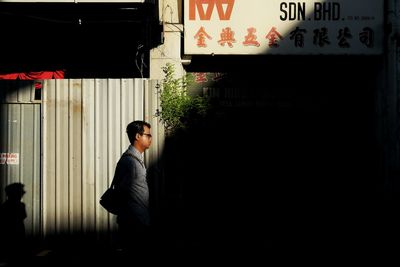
(88, 156)
(20, 133)
(154, 155)
(83, 137)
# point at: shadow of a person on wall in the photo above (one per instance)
(12, 216)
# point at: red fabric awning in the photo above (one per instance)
(33, 75)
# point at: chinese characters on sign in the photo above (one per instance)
(320, 37)
(294, 27)
(202, 77)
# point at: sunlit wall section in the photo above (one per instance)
(84, 135)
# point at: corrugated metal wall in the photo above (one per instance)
(84, 123)
(20, 133)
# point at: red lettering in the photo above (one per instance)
(227, 37)
(273, 36)
(251, 38)
(201, 36)
(200, 77)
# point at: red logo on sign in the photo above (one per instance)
(206, 15)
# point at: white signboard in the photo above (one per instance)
(283, 27)
(9, 158)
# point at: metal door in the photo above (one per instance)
(20, 157)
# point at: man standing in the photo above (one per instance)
(130, 179)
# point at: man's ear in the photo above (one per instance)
(137, 136)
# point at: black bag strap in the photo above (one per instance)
(133, 156)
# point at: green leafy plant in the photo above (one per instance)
(178, 109)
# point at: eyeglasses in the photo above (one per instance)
(146, 134)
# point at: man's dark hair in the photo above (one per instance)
(136, 127)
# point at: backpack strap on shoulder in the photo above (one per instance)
(133, 156)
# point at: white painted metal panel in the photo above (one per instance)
(84, 135)
(20, 135)
(17, 91)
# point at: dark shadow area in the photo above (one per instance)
(287, 155)
(84, 40)
(12, 228)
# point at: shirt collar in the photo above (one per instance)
(135, 152)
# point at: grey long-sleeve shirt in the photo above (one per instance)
(130, 175)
